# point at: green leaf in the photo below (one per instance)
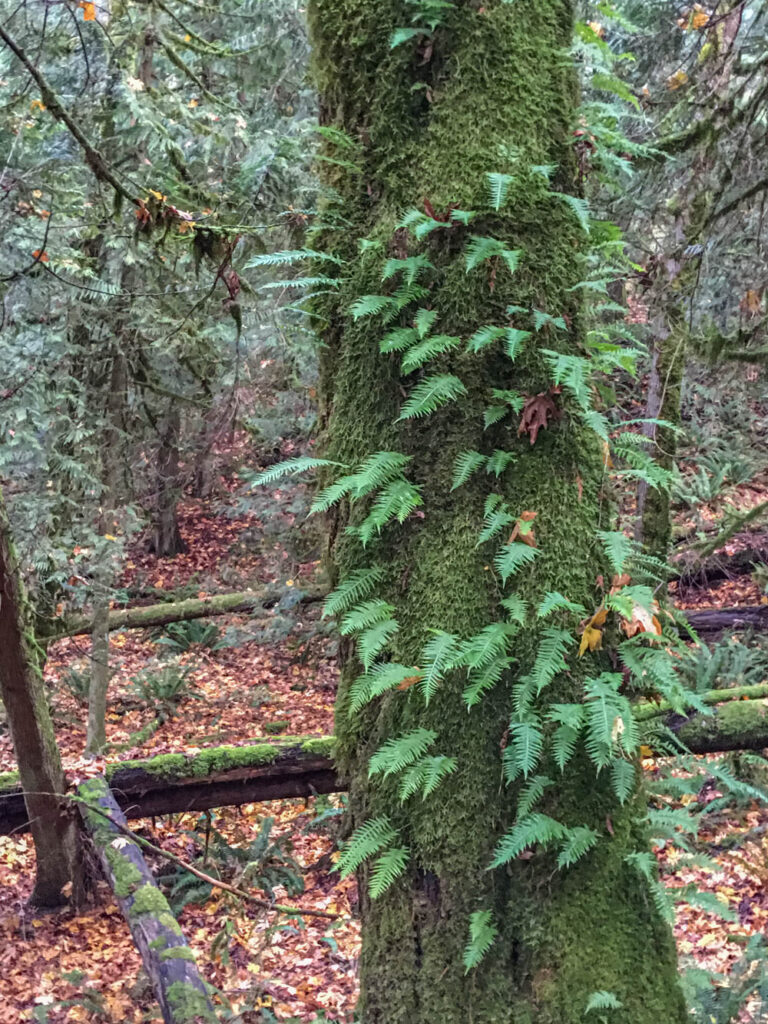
(499, 461)
(523, 750)
(485, 336)
(427, 349)
(378, 681)
(424, 321)
(425, 776)
(513, 341)
(386, 870)
(373, 640)
(483, 679)
(618, 549)
(402, 35)
(366, 841)
(430, 394)
(623, 778)
(603, 1001)
(554, 601)
(578, 842)
(364, 615)
(288, 257)
(531, 793)
(482, 933)
(354, 588)
(535, 830)
(439, 655)
(580, 207)
(370, 305)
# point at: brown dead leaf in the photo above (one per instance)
(537, 411)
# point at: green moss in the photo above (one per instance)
(275, 727)
(148, 900)
(126, 875)
(178, 953)
(322, 746)
(169, 922)
(189, 1003)
(9, 780)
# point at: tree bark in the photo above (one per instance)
(431, 120)
(26, 705)
(168, 961)
(717, 620)
(96, 733)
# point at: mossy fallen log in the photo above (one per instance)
(146, 616)
(168, 961)
(302, 766)
(215, 777)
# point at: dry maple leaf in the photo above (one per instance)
(537, 412)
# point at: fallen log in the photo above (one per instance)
(303, 766)
(146, 616)
(168, 961)
(215, 777)
(717, 620)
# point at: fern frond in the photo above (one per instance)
(481, 680)
(291, 467)
(366, 841)
(364, 615)
(288, 257)
(467, 463)
(425, 776)
(570, 721)
(378, 681)
(373, 640)
(618, 549)
(428, 349)
(512, 557)
(531, 794)
(542, 320)
(578, 842)
(371, 305)
(513, 341)
(494, 414)
(496, 517)
(485, 336)
(430, 394)
(554, 601)
(490, 643)
(573, 372)
(378, 469)
(410, 267)
(353, 589)
(396, 501)
(516, 608)
(398, 339)
(482, 933)
(397, 754)
(440, 654)
(424, 321)
(603, 1001)
(535, 830)
(623, 778)
(499, 461)
(498, 186)
(550, 657)
(482, 248)
(523, 751)
(579, 207)
(387, 869)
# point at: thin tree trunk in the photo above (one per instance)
(167, 536)
(96, 733)
(37, 755)
(431, 120)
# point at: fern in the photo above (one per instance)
(542, 320)
(513, 341)
(535, 830)
(496, 517)
(410, 268)
(290, 256)
(494, 414)
(574, 372)
(578, 842)
(554, 601)
(550, 657)
(481, 680)
(397, 754)
(512, 558)
(579, 207)
(378, 681)
(623, 778)
(490, 643)
(531, 794)
(377, 470)
(482, 248)
(291, 467)
(373, 640)
(396, 501)
(523, 751)
(482, 933)
(371, 305)
(609, 720)
(357, 586)
(364, 615)
(498, 189)
(431, 394)
(467, 463)
(618, 549)
(424, 321)
(428, 349)
(386, 870)
(513, 399)
(425, 776)
(499, 461)
(398, 339)
(570, 721)
(367, 840)
(440, 654)
(516, 608)
(485, 336)
(645, 863)
(603, 1001)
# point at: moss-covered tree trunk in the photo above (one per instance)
(40, 772)
(490, 92)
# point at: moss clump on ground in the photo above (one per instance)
(188, 1003)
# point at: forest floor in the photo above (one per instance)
(268, 969)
